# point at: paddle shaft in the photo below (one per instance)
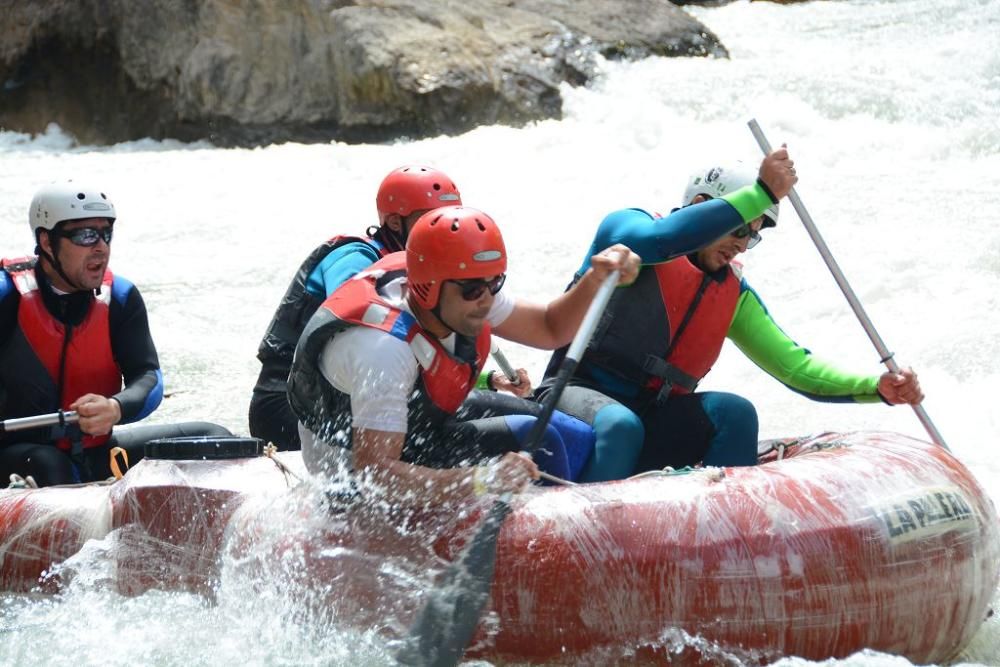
(41, 421)
(505, 365)
(568, 366)
(885, 356)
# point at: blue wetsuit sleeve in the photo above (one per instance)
(764, 343)
(8, 319)
(338, 266)
(8, 306)
(134, 352)
(658, 240)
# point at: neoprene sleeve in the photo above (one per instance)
(757, 335)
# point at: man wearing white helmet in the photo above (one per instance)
(70, 333)
(636, 383)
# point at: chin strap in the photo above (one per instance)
(392, 241)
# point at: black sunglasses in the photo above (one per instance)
(87, 236)
(473, 290)
(744, 231)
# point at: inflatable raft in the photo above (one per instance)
(833, 544)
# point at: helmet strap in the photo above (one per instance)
(392, 241)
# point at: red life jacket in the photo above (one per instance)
(87, 362)
(444, 380)
(668, 326)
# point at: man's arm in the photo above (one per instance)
(757, 335)
(553, 325)
(378, 371)
(133, 349)
(8, 320)
(339, 266)
(687, 229)
(376, 454)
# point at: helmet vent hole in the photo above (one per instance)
(482, 227)
(454, 226)
(81, 196)
(437, 186)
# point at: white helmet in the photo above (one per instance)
(715, 181)
(57, 202)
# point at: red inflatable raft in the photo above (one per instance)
(867, 540)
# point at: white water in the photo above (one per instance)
(889, 109)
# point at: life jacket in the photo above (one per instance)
(663, 333)
(54, 362)
(297, 306)
(444, 379)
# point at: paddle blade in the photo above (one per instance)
(448, 621)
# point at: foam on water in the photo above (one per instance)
(888, 107)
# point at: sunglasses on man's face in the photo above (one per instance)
(744, 231)
(473, 290)
(87, 236)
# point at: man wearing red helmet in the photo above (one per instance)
(384, 364)
(403, 196)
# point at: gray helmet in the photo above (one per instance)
(715, 180)
(68, 200)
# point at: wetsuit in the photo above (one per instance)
(53, 349)
(636, 382)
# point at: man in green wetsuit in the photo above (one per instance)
(636, 383)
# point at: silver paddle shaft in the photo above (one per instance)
(885, 356)
(41, 421)
(505, 365)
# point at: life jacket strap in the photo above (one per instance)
(670, 375)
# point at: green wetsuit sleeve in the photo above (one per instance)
(483, 382)
(751, 201)
(757, 335)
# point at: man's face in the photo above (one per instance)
(84, 265)
(401, 225)
(465, 304)
(722, 251)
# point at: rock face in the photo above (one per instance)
(247, 72)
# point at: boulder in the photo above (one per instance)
(240, 72)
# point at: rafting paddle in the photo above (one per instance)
(448, 621)
(885, 356)
(41, 421)
(504, 365)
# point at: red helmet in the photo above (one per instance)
(452, 243)
(413, 188)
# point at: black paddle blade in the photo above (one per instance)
(447, 622)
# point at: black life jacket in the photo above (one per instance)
(297, 306)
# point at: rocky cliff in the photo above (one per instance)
(247, 72)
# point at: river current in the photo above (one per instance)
(889, 109)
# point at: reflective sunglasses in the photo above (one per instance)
(744, 231)
(473, 290)
(87, 236)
